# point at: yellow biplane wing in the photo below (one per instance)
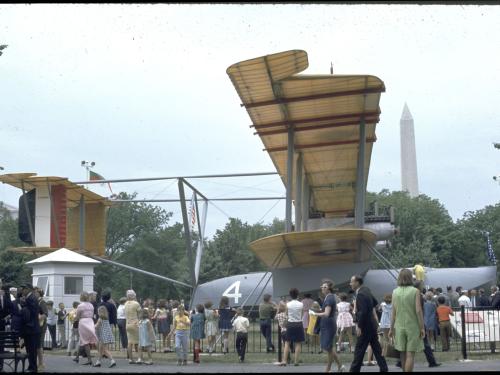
(51, 211)
(325, 112)
(323, 118)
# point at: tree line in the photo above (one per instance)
(143, 236)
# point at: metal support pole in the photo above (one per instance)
(201, 231)
(212, 200)
(28, 214)
(194, 189)
(298, 195)
(82, 222)
(306, 203)
(464, 341)
(187, 233)
(359, 210)
(176, 177)
(359, 215)
(133, 269)
(289, 180)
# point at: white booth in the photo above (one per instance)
(63, 275)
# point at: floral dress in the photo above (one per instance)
(344, 318)
(211, 322)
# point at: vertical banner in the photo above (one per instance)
(491, 254)
(199, 249)
(192, 213)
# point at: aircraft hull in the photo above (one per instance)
(247, 289)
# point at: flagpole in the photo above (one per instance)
(87, 165)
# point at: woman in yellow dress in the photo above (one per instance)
(132, 314)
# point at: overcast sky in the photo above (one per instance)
(142, 91)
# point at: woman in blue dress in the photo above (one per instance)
(430, 315)
(328, 325)
(198, 331)
(226, 314)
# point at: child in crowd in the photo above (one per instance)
(444, 313)
(105, 336)
(146, 337)
(74, 336)
(173, 313)
(61, 326)
(52, 323)
(122, 324)
(344, 321)
(240, 325)
(430, 317)
(313, 326)
(211, 325)
(182, 325)
(385, 321)
(226, 314)
(161, 316)
(282, 318)
(197, 331)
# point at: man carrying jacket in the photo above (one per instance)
(366, 326)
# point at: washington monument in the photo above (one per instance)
(409, 176)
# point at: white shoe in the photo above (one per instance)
(342, 368)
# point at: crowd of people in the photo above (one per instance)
(409, 320)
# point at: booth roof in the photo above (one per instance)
(64, 256)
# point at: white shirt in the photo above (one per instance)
(464, 301)
(51, 317)
(120, 312)
(295, 309)
(241, 324)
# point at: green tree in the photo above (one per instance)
(229, 254)
(425, 227)
(138, 235)
(129, 221)
(472, 228)
(162, 253)
(415, 252)
(12, 265)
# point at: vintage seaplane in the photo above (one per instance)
(319, 131)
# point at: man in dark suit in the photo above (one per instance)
(495, 297)
(5, 309)
(483, 300)
(366, 326)
(31, 329)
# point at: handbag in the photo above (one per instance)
(316, 328)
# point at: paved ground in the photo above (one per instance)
(63, 364)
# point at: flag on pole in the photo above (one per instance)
(96, 177)
(192, 213)
(491, 254)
